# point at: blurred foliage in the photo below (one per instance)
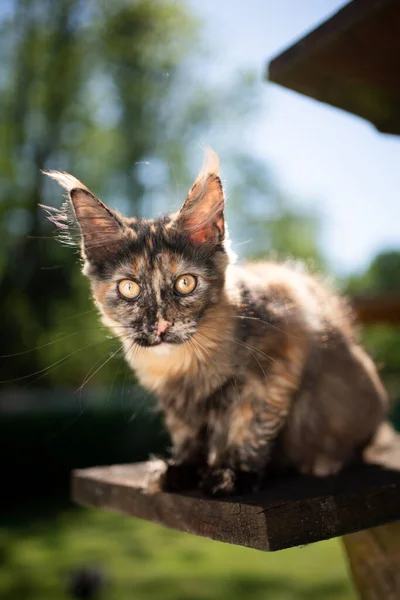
(144, 561)
(116, 93)
(383, 341)
(292, 233)
(46, 442)
(383, 275)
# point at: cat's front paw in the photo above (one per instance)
(228, 482)
(180, 477)
(155, 473)
(219, 482)
(171, 476)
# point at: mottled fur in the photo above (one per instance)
(260, 363)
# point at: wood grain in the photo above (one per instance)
(291, 512)
(374, 558)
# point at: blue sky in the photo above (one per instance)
(320, 155)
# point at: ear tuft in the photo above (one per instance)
(201, 217)
(211, 163)
(65, 180)
(85, 219)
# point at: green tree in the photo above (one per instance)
(265, 222)
(382, 340)
(112, 92)
(383, 274)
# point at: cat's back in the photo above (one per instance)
(296, 292)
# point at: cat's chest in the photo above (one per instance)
(182, 371)
(190, 393)
(185, 392)
(174, 374)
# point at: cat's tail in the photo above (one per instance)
(384, 448)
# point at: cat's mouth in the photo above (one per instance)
(169, 341)
(165, 339)
(159, 343)
(160, 347)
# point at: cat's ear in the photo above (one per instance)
(201, 217)
(86, 218)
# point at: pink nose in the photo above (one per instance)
(162, 326)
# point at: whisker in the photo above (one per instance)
(136, 349)
(52, 368)
(258, 362)
(206, 350)
(39, 237)
(66, 427)
(74, 333)
(245, 344)
(140, 408)
(201, 349)
(234, 245)
(100, 367)
(70, 318)
(81, 408)
(57, 362)
(198, 351)
(122, 393)
(60, 339)
(231, 380)
(250, 347)
(110, 389)
(260, 321)
(85, 379)
(51, 268)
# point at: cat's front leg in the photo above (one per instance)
(237, 455)
(183, 470)
(243, 436)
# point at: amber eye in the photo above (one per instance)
(185, 284)
(129, 289)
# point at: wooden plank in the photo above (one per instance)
(291, 512)
(377, 308)
(374, 558)
(351, 61)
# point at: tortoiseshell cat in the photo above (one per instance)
(249, 363)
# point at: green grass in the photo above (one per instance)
(145, 561)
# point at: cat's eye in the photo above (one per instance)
(129, 289)
(185, 284)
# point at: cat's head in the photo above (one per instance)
(153, 280)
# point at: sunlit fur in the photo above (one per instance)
(258, 366)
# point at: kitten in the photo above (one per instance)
(250, 364)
